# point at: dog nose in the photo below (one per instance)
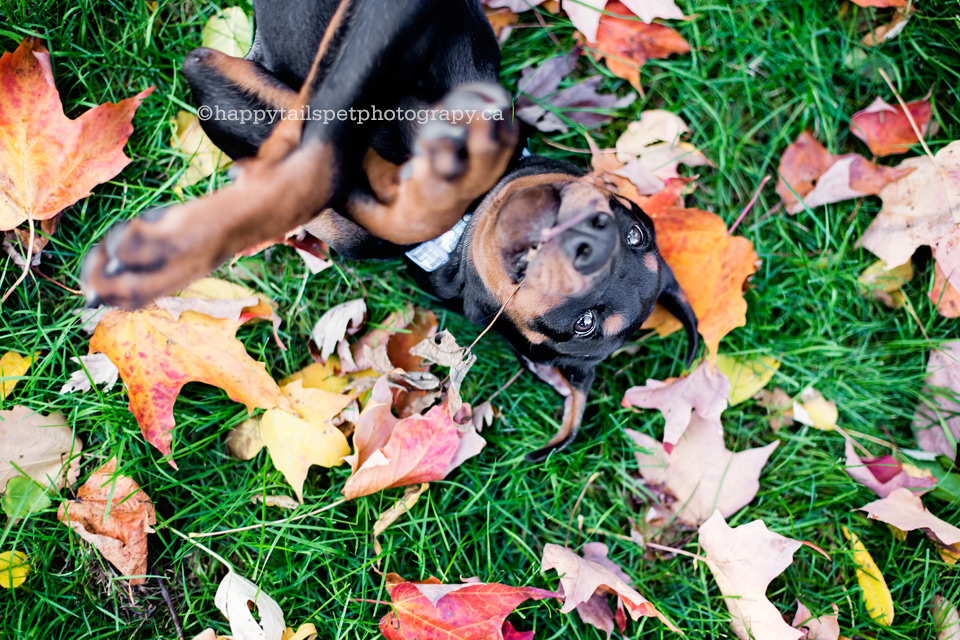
(589, 243)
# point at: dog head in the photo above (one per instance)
(573, 271)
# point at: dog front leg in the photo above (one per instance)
(573, 383)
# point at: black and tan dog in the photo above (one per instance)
(574, 269)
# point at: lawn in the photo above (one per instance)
(760, 73)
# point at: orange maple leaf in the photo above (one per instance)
(711, 267)
(886, 128)
(48, 161)
(627, 43)
(157, 355)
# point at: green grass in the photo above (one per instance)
(759, 74)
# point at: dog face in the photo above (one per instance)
(576, 269)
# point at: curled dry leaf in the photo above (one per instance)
(586, 581)
(655, 144)
(703, 390)
(885, 474)
(627, 43)
(305, 436)
(889, 31)
(283, 502)
(905, 511)
(115, 515)
(946, 619)
(48, 161)
(234, 598)
(443, 350)
(743, 561)
(886, 128)
(430, 610)
(922, 208)
(811, 176)
(12, 367)
(884, 285)
(940, 401)
(157, 355)
(336, 322)
(391, 452)
(747, 376)
(876, 595)
(701, 473)
(95, 369)
(579, 102)
(711, 267)
(43, 447)
(826, 627)
(394, 513)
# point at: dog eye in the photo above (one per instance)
(636, 236)
(585, 324)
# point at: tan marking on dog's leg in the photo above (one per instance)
(250, 77)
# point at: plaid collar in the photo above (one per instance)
(433, 254)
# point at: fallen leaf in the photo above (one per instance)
(944, 295)
(283, 502)
(243, 441)
(811, 176)
(905, 511)
(711, 267)
(442, 349)
(304, 632)
(14, 568)
(221, 299)
(884, 285)
(157, 355)
(202, 156)
(297, 441)
(390, 452)
(743, 561)
(114, 515)
(826, 627)
(812, 409)
(889, 31)
(594, 575)
(541, 99)
(23, 497)
(13, 366)
(586, 15)
(920, 209)
(703, 390)
(940, 401)
(627, 43)
(501, 21)
(230, 31)
(885, 474)
(95, 369)
(876, 596)
(516, 6)
(472, 610)
(394, 513)
(389, 344)
(946, 619)
(886, 128)
(747, 376)
(656, 144)
(779, 407)
(48, 162)
(334, 325)
(880, 3)
(43, 448)
(701, 473)
(234, 598)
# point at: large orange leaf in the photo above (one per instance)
(711, 267)
(432, 611)
(157, 355)
(48, 161)
(627, 43)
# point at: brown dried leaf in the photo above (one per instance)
(42, 446)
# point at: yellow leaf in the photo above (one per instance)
(876, 595)
(203, 157)
(302, 633)
(884, 284)
(813, 410)
(13, 569)
(12, 366)
(296, 442)
(231, 32)
(948, 555)
(327, 376)
(747, 377)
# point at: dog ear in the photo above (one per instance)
(675, 301)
